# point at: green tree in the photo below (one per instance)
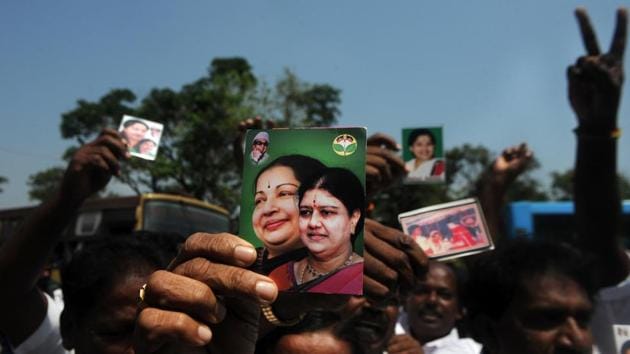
(562, 185)
(44, 184)
(195, 155)
(294, 103)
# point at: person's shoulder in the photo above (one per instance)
(47, 337)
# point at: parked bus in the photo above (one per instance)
(552, 220)
(154, 212)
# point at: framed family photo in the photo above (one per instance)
(423, 153)
(142, 135)
(449, 230)
(303, 207)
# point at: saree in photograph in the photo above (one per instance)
(346, 280)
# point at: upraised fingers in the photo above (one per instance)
(170, 291)
(223, 248)
(228, 280)
(381, 165)
(416, 258)
(588, 34)
(383, 140)
(380, 272)
(394, 162)
(618, 44)
(113, 142)
(374, 290)
(156, 328)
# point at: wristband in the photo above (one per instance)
(613, 134)
(271, 317)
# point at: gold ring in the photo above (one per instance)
(141, 292)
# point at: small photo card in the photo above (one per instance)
(622, 338)
(449, 230)
(303, 207)
(142, 135)
(423, 153)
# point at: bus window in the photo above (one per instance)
(185, 219)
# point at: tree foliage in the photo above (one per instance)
(44, 184)
(195, 155)
(562, 185)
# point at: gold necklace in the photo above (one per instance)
(317, 274)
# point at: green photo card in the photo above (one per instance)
(423, 153)
(303, 207)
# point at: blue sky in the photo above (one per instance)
(490, 72)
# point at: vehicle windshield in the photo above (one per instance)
(185, 219)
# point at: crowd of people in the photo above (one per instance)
(212, 294)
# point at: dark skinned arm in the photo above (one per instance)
(493, 186)
(25, 254)
(595, 83)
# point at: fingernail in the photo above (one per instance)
(266, 291)
(204, 335)
(245, 254)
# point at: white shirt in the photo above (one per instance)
(612, 307)
(449, 344)
(47, 338)
(423, 172)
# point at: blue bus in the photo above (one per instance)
(552, 220)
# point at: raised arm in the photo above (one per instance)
(24, 255)
(493, 185)
(383, 165)
(595, 83)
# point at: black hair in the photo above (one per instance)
(342, 184)
(495, 278)
(419, 132)
(313, 321)
(134, 121)
(303, 167)
(412, 228)
(95, 270)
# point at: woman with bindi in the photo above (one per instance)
(331, 217)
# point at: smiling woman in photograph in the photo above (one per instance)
(331, 217)
(275, 215)
(133, 131)
(424, 165)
